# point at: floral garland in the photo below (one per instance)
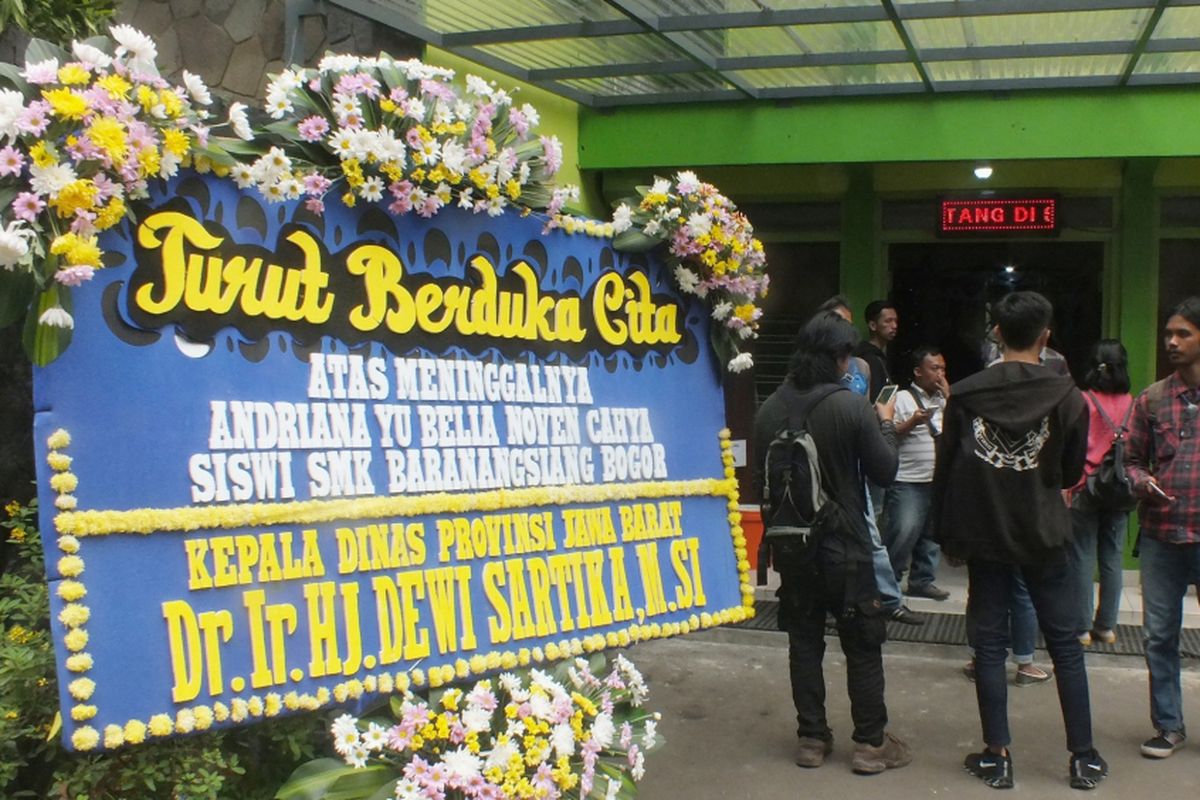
(713, 255)
(82, 133)
(575, 734)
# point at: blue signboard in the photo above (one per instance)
(294, 460)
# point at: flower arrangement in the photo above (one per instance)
(82, 133)
(532, 735)
(712, 254)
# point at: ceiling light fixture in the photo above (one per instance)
(983, 172)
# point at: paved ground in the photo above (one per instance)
(730, 726)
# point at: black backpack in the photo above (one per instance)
(1109, 487)
(794, 496)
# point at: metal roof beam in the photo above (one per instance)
(1143, 40)
(995, 8)
(615, 70)
(902, 32)
(681, 42)
(533, 33)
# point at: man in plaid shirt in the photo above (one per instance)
(1164, 463)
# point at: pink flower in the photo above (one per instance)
(401, 205)
(27, 206)
(316, 184)
(82, 224)
(11, 161)
(400, 188)
(41, 72)
(313, 129)
(429, 206)
(315, 204)
(553, 153)
(74, 276)
(519, 122)
(398, 95)
(437, 89)
(35, 118)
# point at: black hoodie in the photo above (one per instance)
(1015, 435)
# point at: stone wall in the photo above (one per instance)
(235, 44)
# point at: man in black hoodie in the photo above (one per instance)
(1015, 435)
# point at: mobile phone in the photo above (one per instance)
(887, 393)
(1154, 487)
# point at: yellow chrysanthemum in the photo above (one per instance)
(66, 103)
(85, 738)
(146, 97)
(109, 136)
(204, 717)
(73, 74)
(76, 639)
(73, 615)
(82, 688)
(161, 725)
(81, 712)
(68, 544)
(175, 141)
(111, 214)
(76, 195)
(59, 462)
(149, 161)
(114, 736)
(60, 438)
(745, 312)
(171, 102)
(70, 566)
(43, 155)
(135, 731)
(80, 662)
(116, 86)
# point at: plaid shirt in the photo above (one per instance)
(1171, 453)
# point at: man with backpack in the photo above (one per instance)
(1015, 435)
(1164, 464)
(817, 440)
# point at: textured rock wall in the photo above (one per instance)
(235, 44)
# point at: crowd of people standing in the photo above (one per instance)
(1010, 472)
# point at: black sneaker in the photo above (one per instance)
(1163, 744)
(907, 616)
(928, 590)
(994, 770)
(1087, 770)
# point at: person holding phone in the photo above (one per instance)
(906, 502)
(1163, 459)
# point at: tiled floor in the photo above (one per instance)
(954, 580)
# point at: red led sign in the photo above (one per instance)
(1000, 215)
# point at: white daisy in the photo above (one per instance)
(622, 218)
(463, 765)
(92, 56)
(137, 45)
(196, 88)
(239, 122)
(56, 317)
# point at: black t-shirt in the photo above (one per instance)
(877, 360)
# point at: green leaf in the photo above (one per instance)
(44, 343)
(16, 292)
(361, 784)
(41, 50)
(632, 241)
(12, 74)
(387, 791)
(313, 781)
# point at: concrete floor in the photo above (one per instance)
(730, 726)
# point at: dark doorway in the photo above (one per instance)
(942, 290)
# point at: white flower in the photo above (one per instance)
(638, 771)
(531, 115)
(243, 175)
(41, 71)
(407, 790)
(344, 725)
(502, 751)
(661, 186)
(539, 704)
(687, 182)
(687, 280)
(652, 228)
(563, 740)
(699, 224)
(56, 317)
(614, 788)
(603, 729)
(454, 156)
(462, 764)
(168, 165)
(372, 189)
(622, 218)
(476, 720)
(13, 244)
(338, 63)
(496, 205)
(286, 81)
(356, 756)
(464, 198)
(92, 56)
(196, 88)
(50, 180)
(239, 122)
(11, 105)
(741, 362)
(478, 86)
(501, 98)
(375, 737)
(722, 310)
(137, 45)
(650, 737)
(278, 105)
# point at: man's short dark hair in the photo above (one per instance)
(923, 352)
(833, 304)
(1021, 317)
(877, 307)
(1189, 309)
(823, 342)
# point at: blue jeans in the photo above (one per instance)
(991, 588)
(906, 532)
(1167, 572)
(1099, 535)
(1022, 623)
(885, 578)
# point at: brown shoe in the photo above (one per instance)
(870, 760)
(812, 751)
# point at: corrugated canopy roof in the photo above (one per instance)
(604, 53)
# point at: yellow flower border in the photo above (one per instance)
(73, 525)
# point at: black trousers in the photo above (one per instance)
(848, 592)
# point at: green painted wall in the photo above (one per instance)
(1025, 125)
(559, 117)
